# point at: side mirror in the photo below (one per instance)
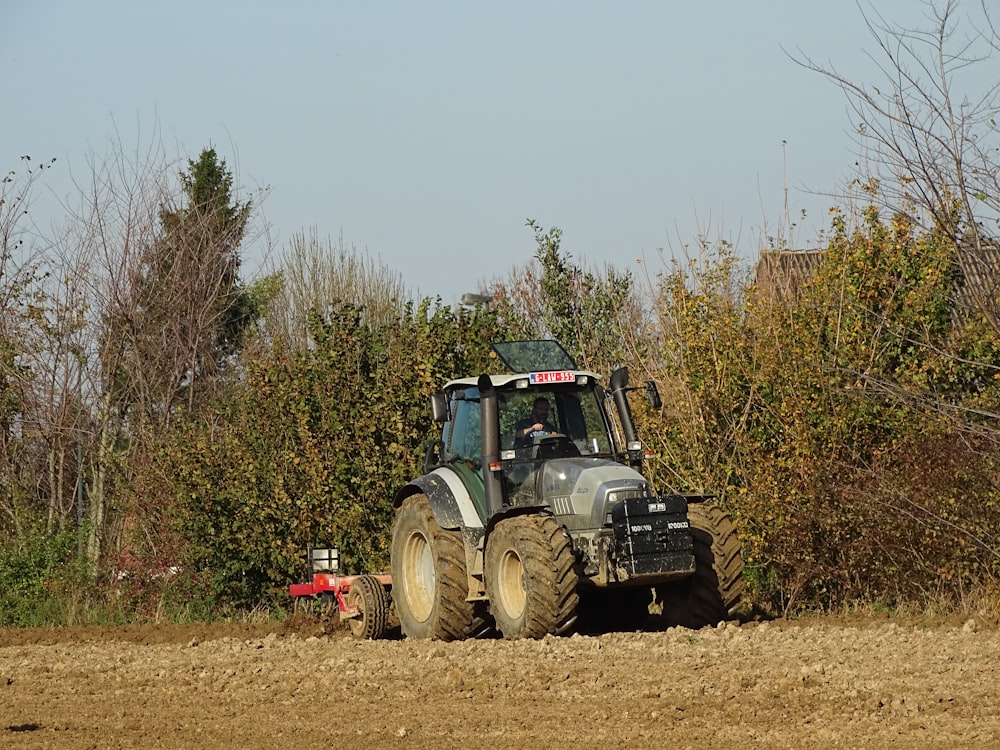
(439, 408)
(653, 394)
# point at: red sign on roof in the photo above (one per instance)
(558, 376)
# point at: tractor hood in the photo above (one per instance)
(581, 491)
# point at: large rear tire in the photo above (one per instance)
(372, 601)
(712, 593)
(429, 579)
(530, 577)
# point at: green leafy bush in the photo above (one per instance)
(311, 448)
(848, 428)
(42, 581)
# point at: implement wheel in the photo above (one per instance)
(372, 601)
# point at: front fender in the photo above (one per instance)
(453, 509)
(450, 501)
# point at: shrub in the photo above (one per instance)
(42, 580)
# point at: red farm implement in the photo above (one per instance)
(362, 600)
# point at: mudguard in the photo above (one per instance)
(450, 501)
(453, 509)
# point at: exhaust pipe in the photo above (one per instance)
(489, 425)
(619, 384)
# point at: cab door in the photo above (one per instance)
(464, 448)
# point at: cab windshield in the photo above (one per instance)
(568, 420)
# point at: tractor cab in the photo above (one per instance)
(550, 409)
(549, 421)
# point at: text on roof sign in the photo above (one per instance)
(558, 376)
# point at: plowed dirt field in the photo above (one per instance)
(297, 685)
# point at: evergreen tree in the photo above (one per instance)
(188, 310)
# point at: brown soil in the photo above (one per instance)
(304, 684)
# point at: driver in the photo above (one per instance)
(538, 423)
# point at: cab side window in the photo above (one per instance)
(465, 433)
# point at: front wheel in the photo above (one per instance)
(530, 577)
(429, 578)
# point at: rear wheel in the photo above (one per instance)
(371, 599)
(530, 577)
(712, 593)
(429, 579)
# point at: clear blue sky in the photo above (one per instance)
(426, 133)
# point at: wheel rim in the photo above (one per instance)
(355, 599)
(510, 580)
(418, 575)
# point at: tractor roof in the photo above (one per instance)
(526, 379)
(531, 363)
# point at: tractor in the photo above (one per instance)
(533, 502)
